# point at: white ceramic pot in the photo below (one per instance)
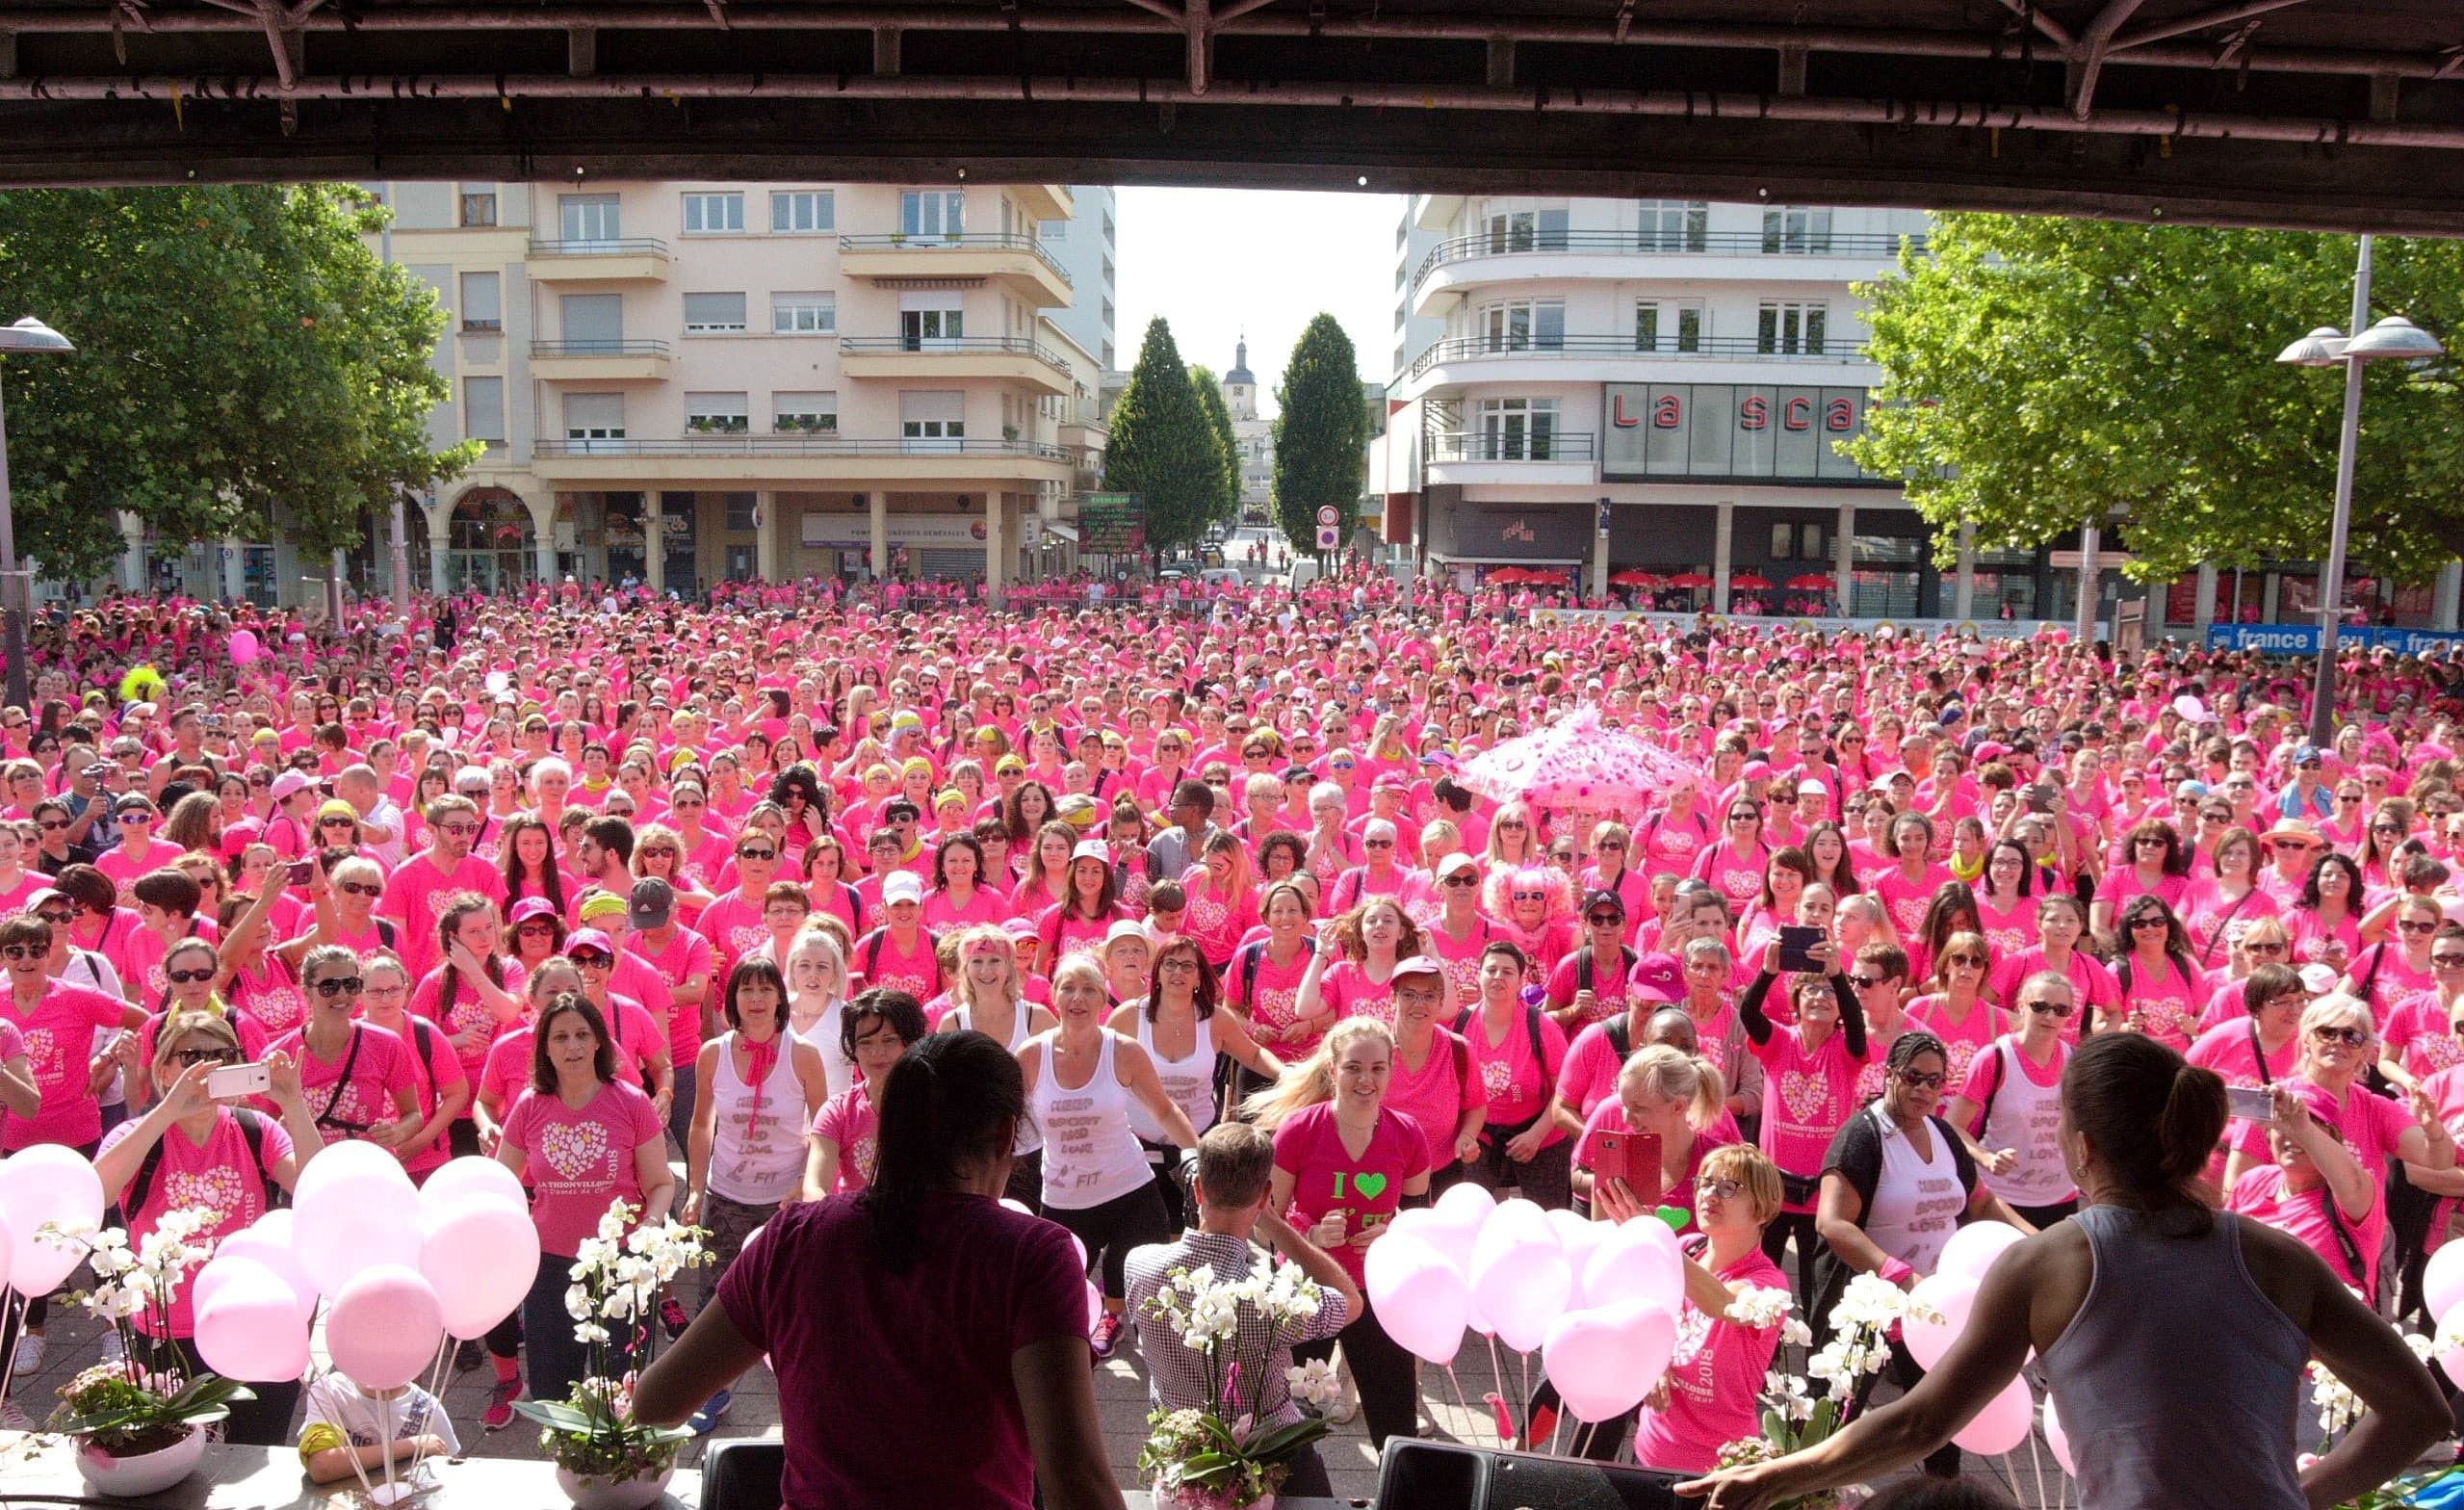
(1179, 1499)
(589, 1492)
(147, 1473)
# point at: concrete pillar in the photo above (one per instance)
(341, 569)
(1723, 525)
(765, 535)
(1844, 559)
(1963, 578)
(997, 547)
(2203, 601)
(2444, 595)
(132, 557)
(2089, 574)
(880, 505)
(654, 537)
(1599, 553)
(235, 571)
(440, 527)
(543, 535)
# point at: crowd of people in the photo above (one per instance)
(646, 898)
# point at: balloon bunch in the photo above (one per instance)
(1598, 1303)
(1938, 1312)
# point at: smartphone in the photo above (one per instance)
(1796, 949)
(1633, 1157)
(301, 870)
(234, 1080)
(2250, 1102)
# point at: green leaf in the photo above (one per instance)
(1321, 433)
(1161, 444)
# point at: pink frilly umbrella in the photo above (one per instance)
(1577, 763)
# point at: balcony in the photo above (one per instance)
(639, 260)
(1019, 261)
(1523, 458)
(600, 361)
(1608, 358)
(1454, 266)
(939, 359)
(798, 458)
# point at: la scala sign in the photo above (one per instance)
(1731, 432)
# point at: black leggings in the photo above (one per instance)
(1546, 1181)
(1388, 1376)
(262, 1423)
(1111, 1230)
(1810, 1247)
(2042, 1218)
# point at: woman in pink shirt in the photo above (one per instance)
(2337, 1042)
(2314, 1190)
(2324, 922)
(2218, 905)
(1353, 973)
(1734, 866)
(2158, 981)
(2154, 865)
(2260, 1047)
(138, 851)
(1518, 1051)
(2398, 966)
(1906, 889)
(1809, 1087)
(1666, 1093)
(842, 1149)
(2416, 1038)
(1222, 899)
(959, 898)
(1436, 1083)
(1956, 1010)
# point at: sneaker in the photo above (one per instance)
(13, 1419)
(501, 1396)
(1106, 1338)
(706, 1419)
(1343, 1407)
(672, 1318)
(29, 1357)
(468, 1356)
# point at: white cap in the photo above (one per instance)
(1810, 784)
(1091, 850)
(1457, 861)
(2317, 979)
(902, 886)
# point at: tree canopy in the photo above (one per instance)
(1209, 390)
(1161, 445)
(238, 348)
(1321, 433)
(2039, 374)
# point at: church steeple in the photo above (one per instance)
(1240, 363)
(1240, 385)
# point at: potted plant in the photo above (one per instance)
(1794, 1414)
(140, 1424)
(605, 1459)
(1219, 1458)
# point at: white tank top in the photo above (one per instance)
(2025, 1119)
(757, 1154)
(1190, 1082)
(824, 1034)
(1030, 1135)
(1917, 1201)
(1090, 1155)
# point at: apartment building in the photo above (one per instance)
(1086, 244)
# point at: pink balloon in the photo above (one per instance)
(2059, 1440)
(384, 1327)
(1605, 1360)
(223, 1268)
(1637, 1261)
(2003, 1423)
(2443, 1280)
(1973, 1248)
(1580, 1238)
(245, 648)
(1419, 1300)
(46, 1183)
(251, 1330)
(480, 1260)
(451, 1180)
(1928, 1340)
(354, 1222)
(1522, 1289)
(270, 1241)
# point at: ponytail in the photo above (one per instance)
(1671, 1074)
(950, 1099)
(2118, 1087)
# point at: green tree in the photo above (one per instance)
(238, 349)
(1161, 445)
(1211, 398)
(1321, 433)
(2040, 373)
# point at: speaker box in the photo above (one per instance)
(1444, 1475)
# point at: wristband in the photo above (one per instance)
(1894, 1270)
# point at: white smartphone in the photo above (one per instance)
(234, 1080)
(2250, 1102)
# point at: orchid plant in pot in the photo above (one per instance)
(1802, 1410)
(1219, 1458)
(139, 1422)
(605, 1459)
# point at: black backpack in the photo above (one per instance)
(251, 1126)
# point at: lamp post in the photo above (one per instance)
(2392, 338)
(26, 335)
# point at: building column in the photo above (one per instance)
(880, 505)
(440, 536)
(765, 535)
(2203, 601)
(2089, 576)
(1963, 579)
(132, 557)
(235, 571)
(654, 542)
(1599, 553)
(997, 563)
(543, 537)
(1844, 559)
(2444, 596)
(1723, 525)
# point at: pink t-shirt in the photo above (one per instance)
(58, 1033)
(990, 1281)
(1270, 993)
(1608, 1116)
(1608, 984)
(2260, 1194)
(1714, 1379)
(1347, 990)
(1905, 900)
(1962, 1038)
(2211, 921)
(1461, 958)
(2233, 1051)
(1806, 1097)
(1515, 1085)
(2164, 1001)
(1446, 1085)
(877, 960)
(468, 1010)
(415, 898)
(576, 1162)
(214, 1175)
(381, 1069)
(2369, 1124)
(686, 955)
(434, 1071)
(2417, 1031)
(1327, 1179)
(848, 1119)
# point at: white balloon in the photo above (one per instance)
(47, 1184)
(458, 1177)
(2443, 1280)
(1465, 1199)
(344, 1226)
(338, 1161)
(1973, 1248)
(1639, 1261)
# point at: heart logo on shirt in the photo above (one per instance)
(1805, 1095)
(41, 1054)
(218, 1189)
(1370, 1187)
(572, 1148)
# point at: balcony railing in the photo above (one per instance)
(598, 349)
(1709, 348)
(1547, 445)
(1640, 244)
(599, 247)
(796, 445)
(950, 346)
(962, 243)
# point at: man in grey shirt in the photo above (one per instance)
(1172, 853)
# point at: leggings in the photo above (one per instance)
(557, 1359)
(1111, 1230)
(1389, 1378)
(1026, 1182)
(1809, 1247)
(1546, 1181)
(262, 1423)
(679, 1111)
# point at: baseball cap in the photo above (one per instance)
(1603, 898)
(1658, 978)
(2317, 978)
(1090, 849)
(902, 886)
(530, 907)
(654, 902)
(289, 782)
(587, 941)
(1458, 861)
(1810, 784)
(1417, 965)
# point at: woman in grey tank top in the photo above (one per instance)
(2173, 1337)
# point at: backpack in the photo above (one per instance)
(1249, 961)
(1531, 1026)
(251, 1126)
(1582, 965)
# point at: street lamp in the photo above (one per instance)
(26, 335)
(2395, 338)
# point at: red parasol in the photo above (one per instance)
(1634, 576)
(1810, 583)
(1750, 582)
(1688, 578)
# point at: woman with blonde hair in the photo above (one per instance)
(1664, 1091)
(1513, 841)
(817, 993)
(988, 995)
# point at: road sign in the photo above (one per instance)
(1327, 515)
(1329, 537)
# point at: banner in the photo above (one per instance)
(1112, 524)
(2302, 639)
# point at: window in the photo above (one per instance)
(1526, 231)
(1783, 542)
(931, 329)
(1053, 230)
(483, 409)
(479, 209)
(1675, 225)
(1791, 329)
(743, 511)
(800, 211)
(716, 413)
(932, 420)
(1514, 429)
(1668, 324)
(588, 219)
(714, 214)
(714, 314)
(804, 314)
(1523, 325)
(932, 211)
(482, 302)
(592, 323)
(1797, 230)
(806, 413)
(594, 416)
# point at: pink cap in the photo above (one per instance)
(530, 907)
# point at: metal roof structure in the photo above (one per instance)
(2342, 113)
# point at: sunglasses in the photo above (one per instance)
(53, 826)
(773, 854)
(2355, 1037)
(193, 1056)
(1605, 920)
(133, 819)
(1377, 844)
(57, 920)
(592, 961)
(1512, 823)
(1744, 816)
(2448, 961)
(2386, 828)
(1523, 895)
(2049, 1008)
(1921, 1079)
(23, 951)
(2146, 920)
(1462, 882)
(323, 823)
(260, 781)
(536, 930)
(362, 889)
(2416, 927)
(1866, 982)
(2262, 949)
(459, 830)
(339, 985)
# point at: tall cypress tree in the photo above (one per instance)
(1160, 445)
(1321, 435)
(1211, 398)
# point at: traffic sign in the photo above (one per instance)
(1326, 516)
(1329, 537)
